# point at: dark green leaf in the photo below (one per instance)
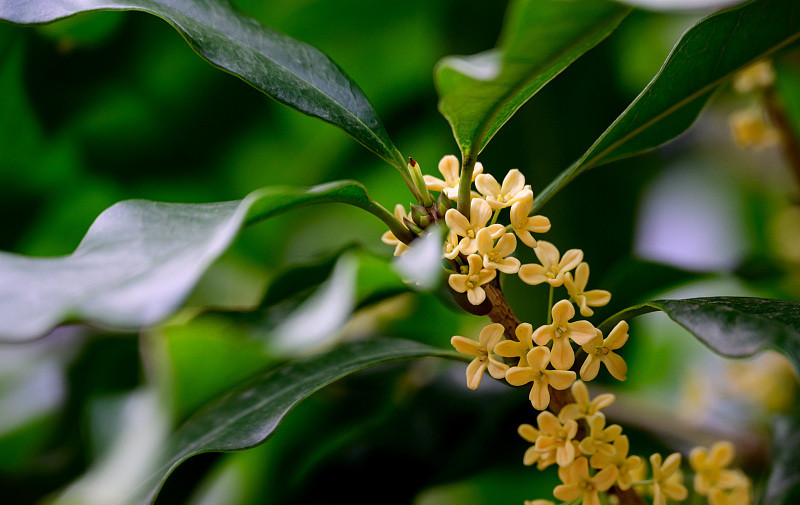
(783, 485)
(248, 415)
(291, 72)
(706, 56)
(731, 326)
(479, 93)
(139, 260)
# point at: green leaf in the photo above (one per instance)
(706, 56)
(249, 414)
(479, 93)
(292, 72)
(783, 485)
(732, 326)
(140, 259)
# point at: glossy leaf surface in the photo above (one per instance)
(731, 326)
(292, 72)
(479, 93)
(248, 415)
(139, 260)
(706, 56)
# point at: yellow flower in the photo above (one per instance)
(556, 436)
(736, 496)
(600, 437)
(710, 467)
(536, 372)
(389, 238)
(628, 467)
(494, 256)
(561, 331)
(479, 214)
(577, 482)
(520, 348)
(512, 191)
(664, 483)
(472, 279)
(451, 249)
(553, 266)
(482, 350)
(758, 75)
(750, 129)
(524, 224)
(602, 351)
(538, 502)
(577, 291)
(450, 168)
(583, 408)
(531, 456)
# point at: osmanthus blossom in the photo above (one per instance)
(497, 255)
(561, 331)
(601, 350)
(583, 408)
(536, 372)
(512, 191)
(711, 468)
(556, 436)
(482, 350)
(473, 277)
(553, 266)
(390, 239)
(577, 291)
(600, 437)
(523, 224)
(736, 496)
(479, 214)
(665, 483)
(627, 466)
(531, 456)
(578, 483)
(520, 348)
(450, 168)
(451, 243)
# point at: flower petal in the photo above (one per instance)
(562, 312)
(458, 282)
(618, 336)
(537, 224)
(581, 332)
(465, 345)
(518, 376)
(487, 185)
(450, 168)
(457, 222)
(524, 333)
(532, 274)
(491, 335)
(570, 260)
(538, 358)
(474, 373)
(547, 253)
(539, 395)
(616, 365)
(560, 379)
(485, 241)
(513, 182)
(562, 356)
(497, 369)
(511, 349)
(476, 296)
(433, 183)
(590, 367)
(479, 213)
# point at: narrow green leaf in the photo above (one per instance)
(706, 56)
(732, 326)
(249, 414)
(479, 93)
(292, 72)
(140, 259)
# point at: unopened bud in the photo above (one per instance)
(444, 203)
(411, 225)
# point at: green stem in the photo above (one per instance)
(642, 482)
(399, 229)
(549, 305)
(465, 184)
(494, 218)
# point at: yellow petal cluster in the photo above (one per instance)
(714, 479)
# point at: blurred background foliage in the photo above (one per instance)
(111, 106)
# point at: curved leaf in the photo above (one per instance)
(479, 93)
(292, 72)
(248, 415)
(705, 57)
(140, 259)
(730, 325)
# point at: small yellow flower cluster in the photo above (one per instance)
(751, 128)
(714, 479)
(592, 456)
